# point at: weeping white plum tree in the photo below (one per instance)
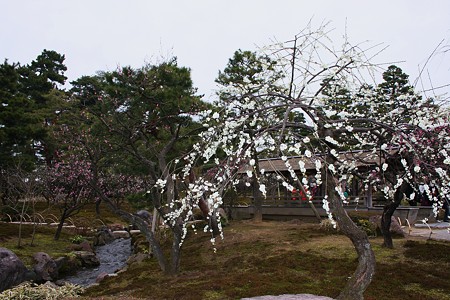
(261, 118)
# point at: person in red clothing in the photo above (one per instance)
(294, 195)
(303, 196)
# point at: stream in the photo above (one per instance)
(112, 257)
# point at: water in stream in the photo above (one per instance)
(112, 257)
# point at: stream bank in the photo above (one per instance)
(112, 256)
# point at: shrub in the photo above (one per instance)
(47, 291)
(367, 226)
(77, 239)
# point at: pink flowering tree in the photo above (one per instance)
(262, 119)
(67, 186)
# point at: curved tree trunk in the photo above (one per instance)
(388, 212)
(142, 226)
(362, 277)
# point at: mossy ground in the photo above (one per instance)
(272, 258)
(43, 238)
(267, 258)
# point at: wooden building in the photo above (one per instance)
(280, 203)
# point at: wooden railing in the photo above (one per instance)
(298, 202)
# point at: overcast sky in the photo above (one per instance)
(99, 35)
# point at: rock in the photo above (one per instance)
(45, 267)
(12, 269)
(137, 258)
(87, 259)
(103, 236)
(51, 285)
(100, 277)
(83, 246)
(122, 234)
(68, 264)
(147, 216)
(116, 227)
(395, 229)
(86, 246)
(60, 282)
(61, 262)
(135, 232)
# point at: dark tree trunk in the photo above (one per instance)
(176, 250)
(203, 205)
(257, 194)
(388, 212)
(97, 207)
(214, 224)
(60, 226)
(211, 219)
(362, 277)
(143, 227)
(257, 200)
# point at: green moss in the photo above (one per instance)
(43, 241)
(269, 258)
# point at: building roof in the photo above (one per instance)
(360, 158)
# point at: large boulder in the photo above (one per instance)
(145, 215)
(12, 269)
(83, 246)
(103, 236)
(87, 258)
(45, 267)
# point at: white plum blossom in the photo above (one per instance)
(330, 113)
(404, 162)
(301, 165)
(122, 108)
(262, 188)
(160, 183)
(332, 168)
(308, 153)
(329, 139)
(334, 152)
(318, 164)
